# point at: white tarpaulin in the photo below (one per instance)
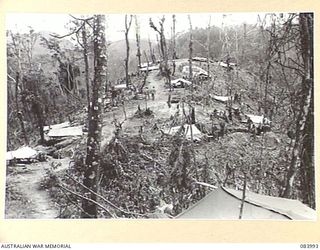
(223, 64)
(120, 86)
(21, 153)
(64, 132)
(221, 98)
(258, 119)
(196, 133)
(56, 126)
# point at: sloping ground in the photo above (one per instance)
(30, 202)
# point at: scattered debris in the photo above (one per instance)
(223, 99)
(180, 83)
(143, 113)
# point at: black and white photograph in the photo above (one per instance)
(175, 116)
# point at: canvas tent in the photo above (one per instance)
(224, 203)
(196, 71)
(196, 133)
(24, 152)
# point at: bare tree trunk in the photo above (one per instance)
(138, 41)
(159, 47)
(243, 196)
(306, 100)
(17, 81)
(152, 57)
(267, 82)
(86, 63)
(208, 46)
(39, 114)
(244, 43)
(25, 137)
(91, 175)
(307, 176)
(146, 57)
(127, 29)
(18, 88)
(174, 52)
(190, 56)
(163, 49)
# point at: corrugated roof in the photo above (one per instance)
(56, 126)
(63, 132)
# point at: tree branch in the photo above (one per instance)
(69, 34)
(11, 78)
(88, 199)
(104, 199)
(81, 19)
(74, 203)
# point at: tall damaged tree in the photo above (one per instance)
(173, 38)
(190, 56)
(190, 50)
(82, 33)
(91, 174)
(138, 41)
(174, 51)
(126, 33)
(208, 45)
(302, 152)
(16, 41)
(164, 67)
(86, 62)
(151, 51)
